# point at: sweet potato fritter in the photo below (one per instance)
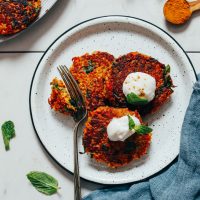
(114, 154)
(136, 62)
(59, 99)
(91, 71)
(101, 78)
(16, 15)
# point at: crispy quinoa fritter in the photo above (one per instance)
(137, 62)
(114, 154)
(91, 71)
(16, 15)
(60, 99)
(101, 78)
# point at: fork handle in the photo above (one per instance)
(77, 185)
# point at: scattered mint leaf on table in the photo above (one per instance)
(133, 99)
(8, 132)
(43, 182)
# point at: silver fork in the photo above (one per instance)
(78, 116)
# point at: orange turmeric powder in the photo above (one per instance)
(177, 11)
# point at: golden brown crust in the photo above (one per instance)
(102, 84)
(100, 78)
(113, 154)
(91, 71)
(59, 99)
(137, 62)
(16, 15)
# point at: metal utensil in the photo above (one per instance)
(79, 115)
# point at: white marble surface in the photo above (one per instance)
(16, 70)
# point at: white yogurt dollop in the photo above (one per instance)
(142, 84)
(118, 128)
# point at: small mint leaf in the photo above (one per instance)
(131, 123)
(8, 132)
(167, 69)
(168, 82)
(141, 129)
(133, 99)
(43, 182)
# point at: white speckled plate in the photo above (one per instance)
(46, 5)
(117, 35)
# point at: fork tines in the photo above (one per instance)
(73, 90)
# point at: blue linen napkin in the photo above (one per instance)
(180, 180)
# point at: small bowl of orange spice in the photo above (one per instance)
(179, 11)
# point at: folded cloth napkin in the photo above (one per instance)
(179, 181)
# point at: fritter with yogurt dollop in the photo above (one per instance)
(137, 62)
(112, 153)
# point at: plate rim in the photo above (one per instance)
(32, 80)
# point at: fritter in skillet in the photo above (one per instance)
(113, 154)
(16, 15)
(137, 62)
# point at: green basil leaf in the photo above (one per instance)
(8, 132)
(43, 182)
(167, 69)
(141, 129)
(89, 68)
(131, 123)
(133, 99)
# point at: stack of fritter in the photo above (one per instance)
(100, 77)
